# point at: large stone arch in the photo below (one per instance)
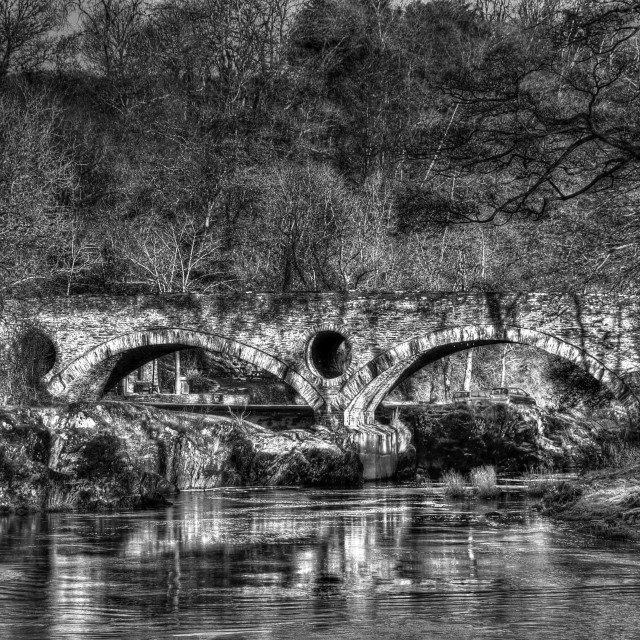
(60, 382)
(360, 396)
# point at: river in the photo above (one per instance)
(381, 562)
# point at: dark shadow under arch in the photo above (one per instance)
(163, 341)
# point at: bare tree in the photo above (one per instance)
(38, 186)
(181, 254)
(552, 110)
(79, 257)
(110, 30)
(227, 49)
(304, 228)
(27, 30)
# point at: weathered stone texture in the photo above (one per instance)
(390, 334)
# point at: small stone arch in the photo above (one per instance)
(59, 382)
(360, 396)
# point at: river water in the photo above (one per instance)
(380, 562)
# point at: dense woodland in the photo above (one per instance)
(225, 145)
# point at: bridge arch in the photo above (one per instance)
(59, 383)
(366, 388)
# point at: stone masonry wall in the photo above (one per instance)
(280, 325)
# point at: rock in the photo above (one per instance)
(406, 463)
(497, 517)
(117, 455)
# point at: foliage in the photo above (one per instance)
(612, 452)
(333, 145)
(538, 480)
(484, 481)
(575, 387)
(103, 455)
(499, 436)
(29, 356)
(318, 144)
(453, 484)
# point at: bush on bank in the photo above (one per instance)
(518, 439)
(463, 438)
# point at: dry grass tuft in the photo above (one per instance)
(453, 484)
(484, 481)
(425, 483)
(538, 480)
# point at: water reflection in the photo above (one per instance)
(379, 562)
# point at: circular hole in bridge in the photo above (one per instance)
(329, 354)
(36, 356)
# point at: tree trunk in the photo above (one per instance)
(466, 385)
(503, 367)
(178, 386)
(446, 378)
(154, 376)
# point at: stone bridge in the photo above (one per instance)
(342, 352)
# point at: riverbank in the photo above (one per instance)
(605, 503)
(123, 456)
(511, 438)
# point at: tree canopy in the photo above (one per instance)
(222, 145)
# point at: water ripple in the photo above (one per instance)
(380, 563)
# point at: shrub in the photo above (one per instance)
(608, 450)
(30, 356)
(503, 436)
(453, 484)
(103, 455)
(484, 480)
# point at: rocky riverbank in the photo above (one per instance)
(605, 503)
(121, 456)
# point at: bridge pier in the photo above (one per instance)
(379, 446)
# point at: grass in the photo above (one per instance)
(453, 484)
(484, 481)
(60, 500)
(599, 506)
(537, 480)
(427, 484)
(238, 418)
(620, 454)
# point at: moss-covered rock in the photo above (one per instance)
(118, 456)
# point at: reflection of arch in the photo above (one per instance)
(82, 367)
(370, 384)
